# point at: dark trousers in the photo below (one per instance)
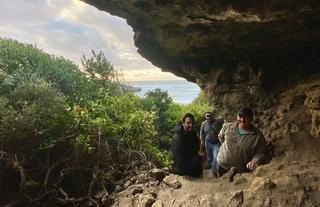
(191, 167)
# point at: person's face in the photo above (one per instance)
(244, 122)
(209, 117)
(188, 124)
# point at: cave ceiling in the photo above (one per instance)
(192, 38)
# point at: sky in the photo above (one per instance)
(71, 28)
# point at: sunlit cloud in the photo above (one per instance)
(71, 28)
(146, 74)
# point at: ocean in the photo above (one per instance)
(181, 91)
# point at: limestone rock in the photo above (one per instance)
(267, 202)
(262, 184)
(157, 203)
(206, 201)
(146, 201)
(237, 198)
(190, 200)
(313, 103)
(132, 190)
(157, 174)
(172, 181)
(239, 179)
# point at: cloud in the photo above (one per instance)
(147, 74)
(71, 28)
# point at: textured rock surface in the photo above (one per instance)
(157, 174)
(237, 51)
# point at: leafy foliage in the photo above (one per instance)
(20, 63)
(33, 111)
(39, 91)
(99, 67)
(101, 71)
(158, 102)
(79, 119)
(168, 114)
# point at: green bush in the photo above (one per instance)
(121, 120)
(55, 118)
(34, 113)
(22, 63)
(76, 129)
(36, 87)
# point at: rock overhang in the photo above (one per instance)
(259, 45)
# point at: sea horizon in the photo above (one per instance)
(181, 91)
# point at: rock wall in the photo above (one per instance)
(238, 52)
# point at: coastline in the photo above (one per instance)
(181, 91)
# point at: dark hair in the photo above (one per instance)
(186, 116)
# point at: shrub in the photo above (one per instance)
(34, 114)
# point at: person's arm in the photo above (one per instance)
(260, 150)
(221, 124)
(202, 150)
(202, 137)
(176, 149)
(221, 135)
(258, 157)
(202, 133)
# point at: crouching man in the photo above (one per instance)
(243, 145)
(185, 148)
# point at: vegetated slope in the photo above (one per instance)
(64, 136)
(69, 138)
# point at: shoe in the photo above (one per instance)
(233, 171)
(218, 171)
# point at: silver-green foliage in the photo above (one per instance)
(34, 113)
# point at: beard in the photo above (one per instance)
(189, 129)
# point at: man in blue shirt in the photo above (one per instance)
(209, 131)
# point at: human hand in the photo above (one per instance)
(202, 154)
(252, 165)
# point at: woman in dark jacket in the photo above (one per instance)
(185, 147)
